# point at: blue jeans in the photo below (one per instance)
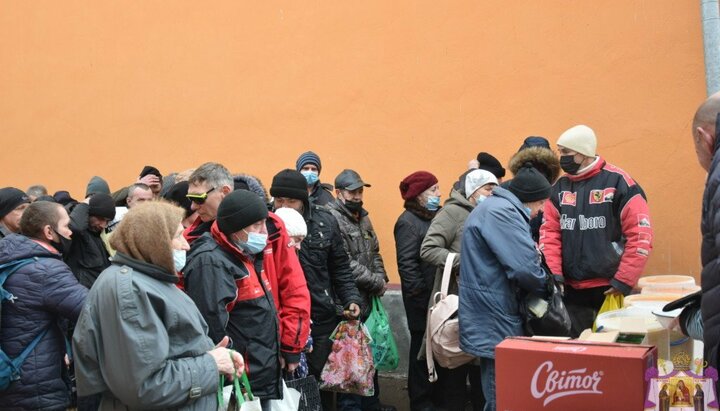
(354, 402)
(487, 379)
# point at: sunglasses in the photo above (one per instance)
(199, 199)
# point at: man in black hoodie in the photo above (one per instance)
(86, 253)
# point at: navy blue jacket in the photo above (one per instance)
(498, 256)
(46, 291)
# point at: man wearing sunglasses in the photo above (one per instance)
(208, 185)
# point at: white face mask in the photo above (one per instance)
(179, 257)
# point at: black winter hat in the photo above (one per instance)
(102, 205)
(10, 199)
(529, 185)
(64, 198)
(177, 194)
(534, 141)
(290, 184)
(488, 162)
(240, 209)
(150, 170)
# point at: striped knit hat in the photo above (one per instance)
(308, 157)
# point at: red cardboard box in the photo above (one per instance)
(532, 374)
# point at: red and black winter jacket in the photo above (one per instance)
(597, 229)
(234, 297)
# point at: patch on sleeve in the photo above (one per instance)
(643, 252)
(596, 197)
(643, 220)
(608, 195)
(645, 238)
(568, 198)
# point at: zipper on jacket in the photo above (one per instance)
(297, 335)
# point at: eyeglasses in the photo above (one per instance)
(199, 199)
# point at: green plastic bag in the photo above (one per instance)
(384, 348)
(612, 302)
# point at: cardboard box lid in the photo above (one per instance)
(590, 348)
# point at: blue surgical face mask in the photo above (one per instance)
(179, 257)
(433, 203)
(479, 199)
(529, 211)
(255, 244)
(310, 176)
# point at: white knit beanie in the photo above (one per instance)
(476, 179)
(579, 138)
(294, 221)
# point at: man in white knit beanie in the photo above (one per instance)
(597, 232)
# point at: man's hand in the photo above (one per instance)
(290, 367)
(353, 312)
(149, 180)
(613, 291)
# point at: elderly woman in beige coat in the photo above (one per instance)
(140, 342)
(444, 236)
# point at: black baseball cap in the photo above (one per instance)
(349, 180)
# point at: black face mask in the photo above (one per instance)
(568, 164)
(63, 246)
(353, 206)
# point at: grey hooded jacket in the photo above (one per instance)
(142, 343)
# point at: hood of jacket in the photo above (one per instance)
(543, 159)
(254, 184)
(151, 270)
(17, 246)
(459, 200)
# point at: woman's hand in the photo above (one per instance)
(227, 361)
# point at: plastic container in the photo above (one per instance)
(632, 320)
(666, 281)
(650, 301)
(680, 291)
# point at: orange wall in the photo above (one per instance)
(384, 87)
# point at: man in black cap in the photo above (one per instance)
(13, 203)
(86, 253)
(361, 244)
(326, 266)
(310, 166)
(498, 256)
(227, 277)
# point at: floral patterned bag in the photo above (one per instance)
(350, 368)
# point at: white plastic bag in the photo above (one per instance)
(290, 401)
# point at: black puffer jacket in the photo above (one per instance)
(88, 256)
(326, 267)
(46, 292)
(416, 275)
(710, 255)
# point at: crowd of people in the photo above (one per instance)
(142, 297)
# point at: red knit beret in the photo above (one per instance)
(417, 182)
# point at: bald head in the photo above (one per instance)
(703, 129)
(706, 114)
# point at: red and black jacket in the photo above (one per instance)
(235, 298)
(597, 229)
